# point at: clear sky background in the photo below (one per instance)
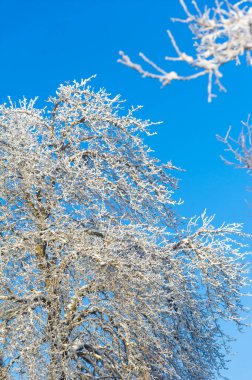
(47, 42)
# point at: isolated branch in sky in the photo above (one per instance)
(98, 278)
(240, 148)
(221, 34)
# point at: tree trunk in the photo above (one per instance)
(45, 264)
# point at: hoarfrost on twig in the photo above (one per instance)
(222, 34)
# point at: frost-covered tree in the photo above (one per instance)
(221, 34)
(99, 280)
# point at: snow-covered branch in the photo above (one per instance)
(222, 34)
(240, 148)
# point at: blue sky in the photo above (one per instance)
(47, 42)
